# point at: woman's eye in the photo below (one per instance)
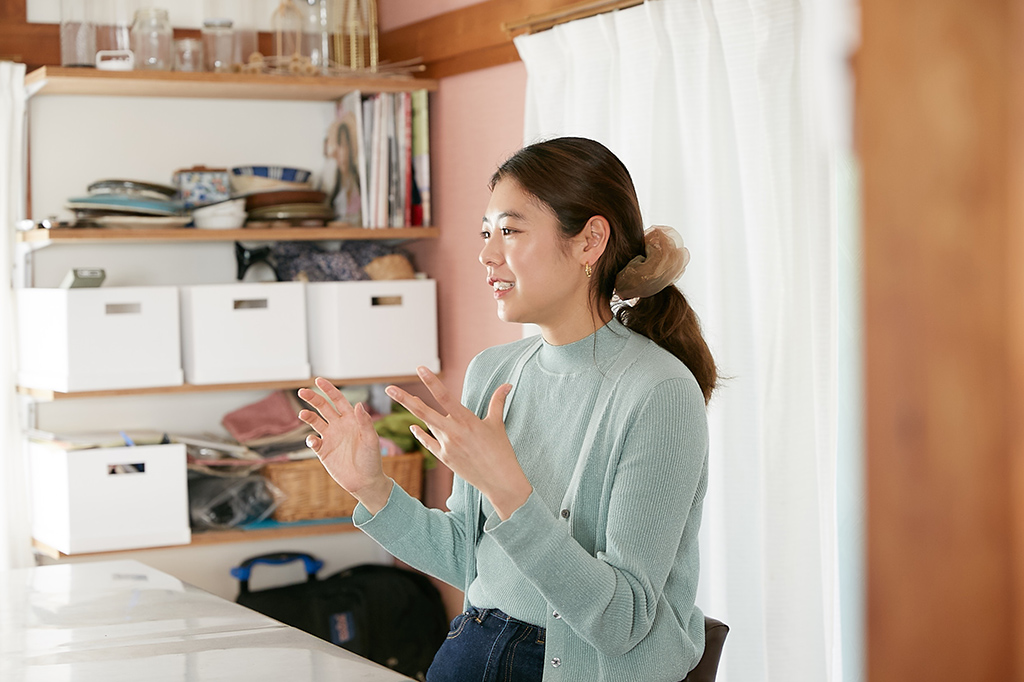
(506, 231)
(485, 234)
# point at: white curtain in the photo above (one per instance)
(715, 107)
(15, 550)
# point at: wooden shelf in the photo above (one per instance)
(53, 80)
(76, 235)
(45, 395)
(217, 537)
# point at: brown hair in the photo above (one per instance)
(578, 179)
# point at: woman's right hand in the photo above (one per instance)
(347, 445)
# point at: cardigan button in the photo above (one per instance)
(555, 662)
(556, 614)
(565, 513)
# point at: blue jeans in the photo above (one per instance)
(486, 645)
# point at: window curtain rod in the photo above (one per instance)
(534, 23)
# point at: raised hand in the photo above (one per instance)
(478, 450)
(347, 445)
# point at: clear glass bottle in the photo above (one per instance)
(316, 39)
(286, 24)
(218, 44)
(77, 34)
(153, 39)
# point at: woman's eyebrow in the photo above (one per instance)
(516, 215)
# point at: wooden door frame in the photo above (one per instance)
(940, 125)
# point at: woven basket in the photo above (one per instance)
(311, 493)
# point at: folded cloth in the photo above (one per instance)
(272, 416)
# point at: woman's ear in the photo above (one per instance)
(595, 237)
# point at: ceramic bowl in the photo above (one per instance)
(285, 173)
(229, 207)
(228, 221)
(224, 215)
(251, 184)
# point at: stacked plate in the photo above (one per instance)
(292, 206)
(124, 203)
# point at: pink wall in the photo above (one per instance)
(476, 121)
(394, 13)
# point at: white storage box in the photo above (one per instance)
(94, 339)
(106, 499)
(372, 329)
(237, 333)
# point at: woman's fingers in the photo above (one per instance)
(496, 408)
(341, 403)
(419, 408)
(313, 419)
(365, 422)
(428, 441)
(438, 390)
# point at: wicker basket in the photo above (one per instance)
(311, 493)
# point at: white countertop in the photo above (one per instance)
(122, 620)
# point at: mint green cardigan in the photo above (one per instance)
(618, 569)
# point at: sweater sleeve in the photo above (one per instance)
(430, 540)
(610, 599)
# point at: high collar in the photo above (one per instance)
(596, 350)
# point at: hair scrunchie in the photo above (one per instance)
(662, 264)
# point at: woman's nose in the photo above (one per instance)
(490, 255)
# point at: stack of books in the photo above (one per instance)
(377, 160)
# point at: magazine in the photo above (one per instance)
(344, 180)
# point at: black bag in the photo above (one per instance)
(389, 615)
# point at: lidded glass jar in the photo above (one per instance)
(218, 44)
(152, 39)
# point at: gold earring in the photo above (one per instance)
(587, 269)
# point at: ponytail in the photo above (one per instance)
(667, 319)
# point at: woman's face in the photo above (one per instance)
(533, 271)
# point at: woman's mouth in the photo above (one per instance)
(500, 287)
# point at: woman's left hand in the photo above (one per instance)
(478, 450)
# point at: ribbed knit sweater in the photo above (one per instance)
(610, 568)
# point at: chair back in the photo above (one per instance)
(714, 640)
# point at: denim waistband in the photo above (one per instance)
(482, 615)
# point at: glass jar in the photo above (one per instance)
(218, 44)
(188, 55)
(286, 24)
(77, 34)
(152, 39)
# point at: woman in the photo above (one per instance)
(580, 455)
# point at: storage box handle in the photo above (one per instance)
(136, 468)
(250, 303)
(124, 308)
(386, 300)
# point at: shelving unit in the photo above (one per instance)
(69, 235)
(217, 537)
(45, 395)
(52, 80)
